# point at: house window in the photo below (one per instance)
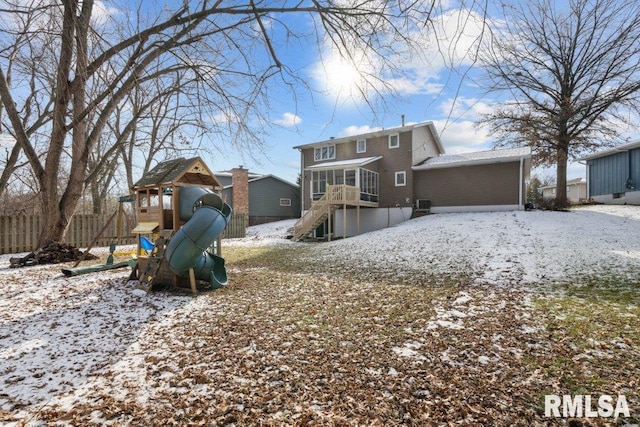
(401, 179)
(285, 202)
(319, 182)
(394, 141)
(328, 152)
(368, 185)
(361, 146)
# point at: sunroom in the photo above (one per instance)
(357, 179)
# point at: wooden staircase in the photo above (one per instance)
(319, 212)
(335, 197)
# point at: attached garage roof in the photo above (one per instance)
(475, 158)
(343, 164)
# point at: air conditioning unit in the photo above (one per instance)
(423, 205)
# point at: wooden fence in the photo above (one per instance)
(236, 227)
(20, 233)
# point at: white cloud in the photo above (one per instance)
(463, 108)
(358, 130)
(225, 117)
(102, 13)
(288, 120)
(450, 41)
(462, 136)
(7, 141)
(345, 81)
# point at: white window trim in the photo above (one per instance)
(402, 174)
(397, 135)
(364, 142)
(315, 150)
(285, 201)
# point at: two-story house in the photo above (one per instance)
(355, 184)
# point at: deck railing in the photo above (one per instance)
(331, 200)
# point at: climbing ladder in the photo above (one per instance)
(156, 257)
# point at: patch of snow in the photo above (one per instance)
(483, 360)
(408, 350)
(445, 324)
(503, 248)
(463, 299)
(271, 233)
(62, 338)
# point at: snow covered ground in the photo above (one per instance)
(505, 247)
(56, 333)
(523, 247)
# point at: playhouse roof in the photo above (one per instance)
(176, 171)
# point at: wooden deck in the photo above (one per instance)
(335, 197)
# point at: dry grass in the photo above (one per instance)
(290, 342)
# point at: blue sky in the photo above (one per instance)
(428, 90)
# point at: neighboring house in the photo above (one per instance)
(613, 175)
(270, 198)
(576, 191)
(225, 178)
(379, 178)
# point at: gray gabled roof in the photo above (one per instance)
(614, 150)
(261, 177)
(475, 158)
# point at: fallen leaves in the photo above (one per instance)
(285, 345)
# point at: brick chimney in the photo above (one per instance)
(240, 182)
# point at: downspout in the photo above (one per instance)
(629, 184)
(301, 182)
(587, 178)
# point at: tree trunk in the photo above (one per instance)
(10, 167)
(561, 178)
(96, 197)
(58, 211)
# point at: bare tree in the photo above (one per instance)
(236, 50)
(572, 71)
